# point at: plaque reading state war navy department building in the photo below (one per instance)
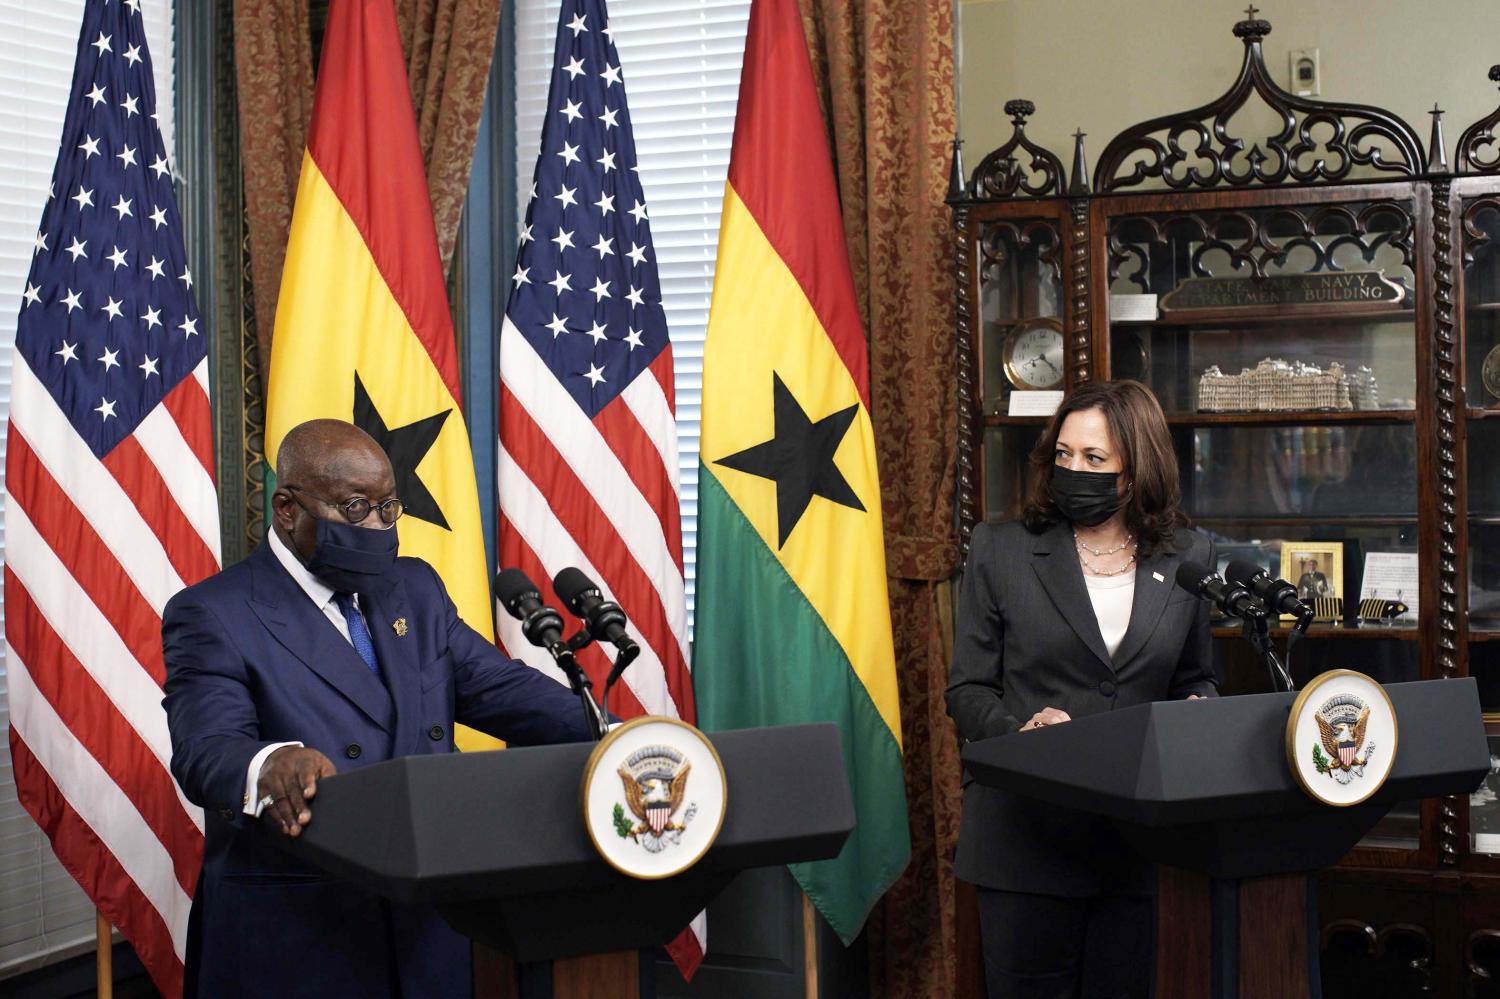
(1325, 288)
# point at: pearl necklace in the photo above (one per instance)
(1084, 550)
(1084, 546)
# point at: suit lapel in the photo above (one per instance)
(306, 633)
(1054, 559)
(390, 621)
(1154, 579)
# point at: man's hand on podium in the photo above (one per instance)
(288, 780)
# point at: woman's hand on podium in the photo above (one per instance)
(1045, 717)
(287, 780)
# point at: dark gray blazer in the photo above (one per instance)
(1027, 639)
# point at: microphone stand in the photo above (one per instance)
(623, 659)
(579, 681)
(1304, 619)
(1257, 631)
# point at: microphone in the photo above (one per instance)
(603, 619)
(1278, 595)
(541, 625)
(1231, 598)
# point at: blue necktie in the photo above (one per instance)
(359, 635)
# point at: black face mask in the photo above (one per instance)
(350, 558)
(1087, 498)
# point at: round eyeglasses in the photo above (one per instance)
(357, 509)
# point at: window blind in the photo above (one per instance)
(44, 915)
(680, 60)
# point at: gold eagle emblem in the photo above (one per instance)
(655, 781)
(1344, 739)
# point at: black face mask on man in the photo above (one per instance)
(1087, 498)
(350, 558)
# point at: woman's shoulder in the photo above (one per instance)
(1191, 544)
(1002, 539)
(1004, 533)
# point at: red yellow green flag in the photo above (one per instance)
(363, 331)
(792, 620)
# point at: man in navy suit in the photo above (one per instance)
(324, 646)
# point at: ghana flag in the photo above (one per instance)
(792, 621)
(362, 325)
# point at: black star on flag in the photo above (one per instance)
(406, 447)
(799, 459)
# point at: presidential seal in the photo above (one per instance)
(1341, 737)
(653, 797)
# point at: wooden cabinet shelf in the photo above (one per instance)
(1241, 317)
(1221, 629)
(1294, 418)
(999, 420)
(1308, 520)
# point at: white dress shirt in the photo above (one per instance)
(1112, 597)
(321, 594)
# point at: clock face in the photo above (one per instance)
(1490, 372)
(1034, 355)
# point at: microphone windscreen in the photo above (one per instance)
(510, 586)
(570, 584)
(1242, 571)
(1191, 577)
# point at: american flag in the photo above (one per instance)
(111, 506)
(588, 437)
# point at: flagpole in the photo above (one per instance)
(104, 958)
(809, 950)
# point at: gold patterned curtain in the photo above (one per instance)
(448, 45)
(885, 73)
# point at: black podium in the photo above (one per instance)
(1203, 788)
(497, 843)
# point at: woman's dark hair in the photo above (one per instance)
(1153, 502)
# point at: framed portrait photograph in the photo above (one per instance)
(1484, 803)
(1316, 569)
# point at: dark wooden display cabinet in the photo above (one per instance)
(1313, 294)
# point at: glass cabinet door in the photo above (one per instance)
(1481, 330)
(1020, 293)
(1020, 346)
(1281, 343)
(1259, 312)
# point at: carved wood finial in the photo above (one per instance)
(1019, 111)
(1252, 28)
(1437, 152)
(957, 190)
(1079, 182)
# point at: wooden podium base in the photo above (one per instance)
(598, 976)
(1225, 939)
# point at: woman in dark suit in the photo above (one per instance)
(1069, 612)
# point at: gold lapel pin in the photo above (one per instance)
(399, 627)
